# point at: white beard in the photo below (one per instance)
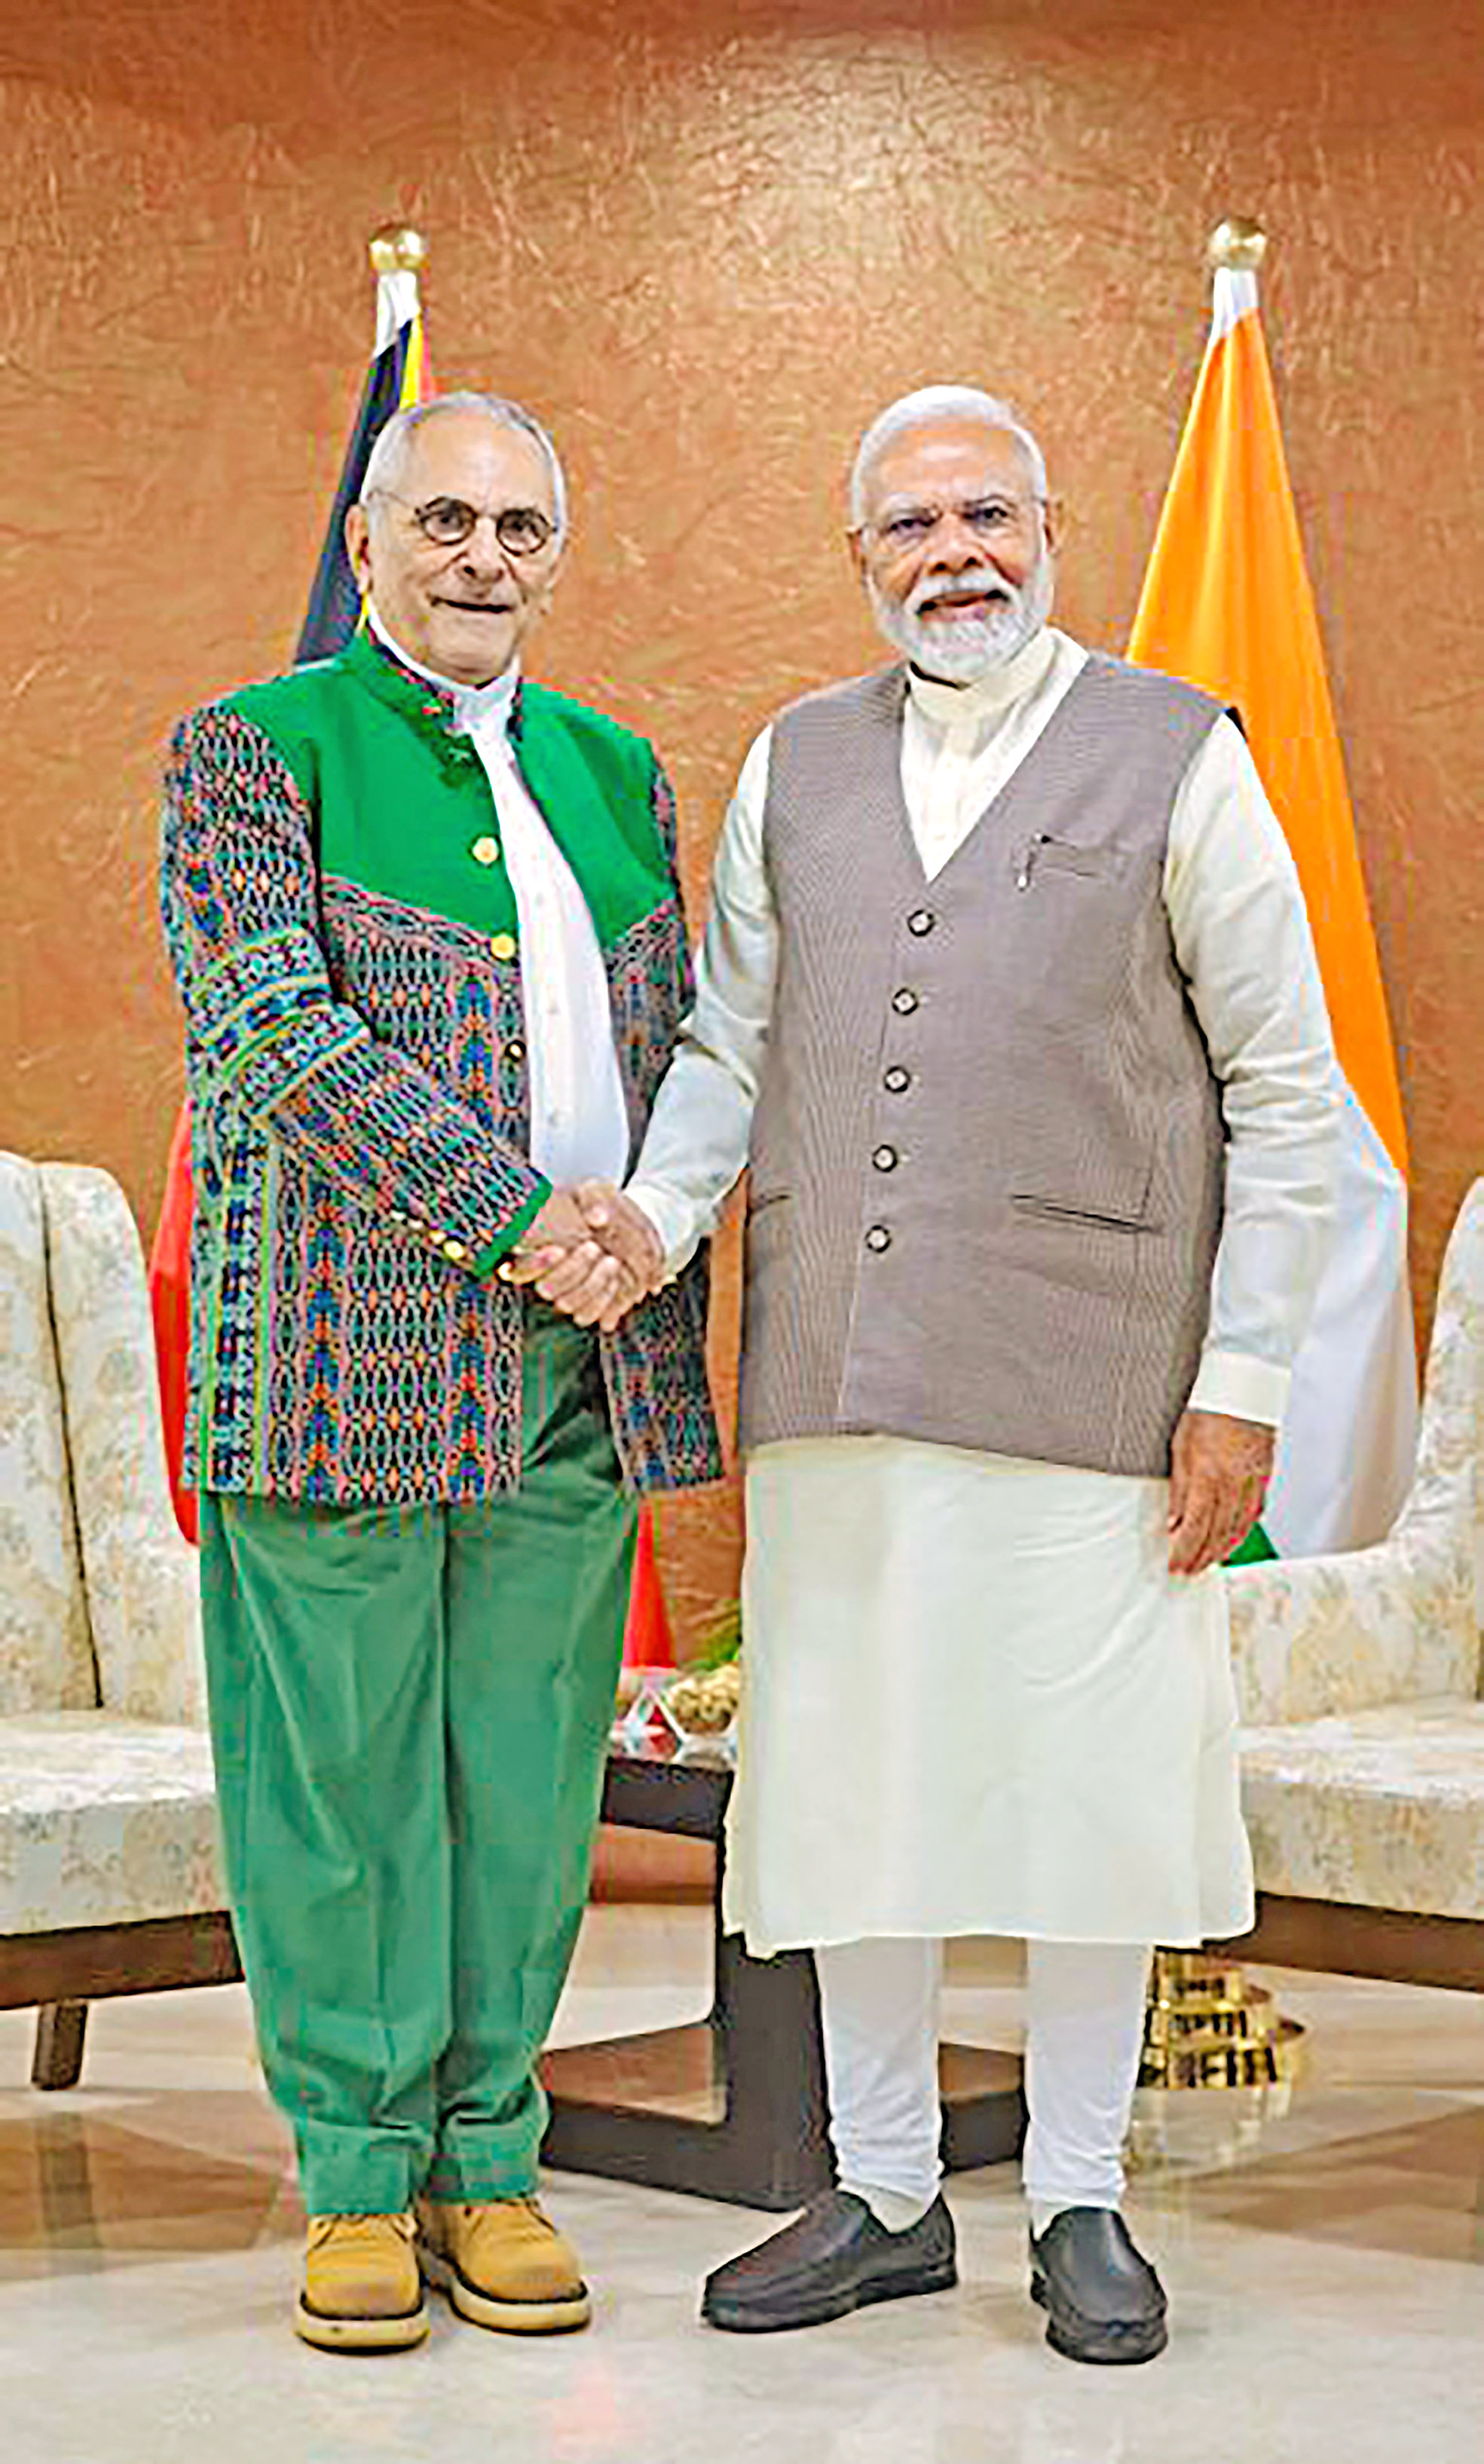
(960, 650)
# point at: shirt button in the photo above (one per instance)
(502, 945)
(921, 920)
(896, 1080)
(878, 1238)
(485, 851)
(886, 1158)
(905, 1001)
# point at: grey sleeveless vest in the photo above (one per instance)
(986, 1166)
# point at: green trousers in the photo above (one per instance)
(409, 1710)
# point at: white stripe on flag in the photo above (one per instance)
(396, 306)
(1234, 294)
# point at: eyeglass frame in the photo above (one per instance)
(478, 514)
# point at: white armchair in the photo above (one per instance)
(1359, 1679)
(109, 1871)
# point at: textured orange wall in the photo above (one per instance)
(707, 241)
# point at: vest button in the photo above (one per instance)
(896, 1080)
(514, 1050)
(886, 1158)
(878, 1238)
(921, 920)
(905, 1001)
(502, 945)
(485, 851)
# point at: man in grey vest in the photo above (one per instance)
(1009, 1002)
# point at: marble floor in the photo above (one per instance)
(1326, 2263)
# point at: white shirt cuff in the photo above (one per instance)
(1240, 1386)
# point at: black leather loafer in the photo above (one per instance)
(1103, 2301)
(836, 2258)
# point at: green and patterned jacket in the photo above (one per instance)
(351, 976)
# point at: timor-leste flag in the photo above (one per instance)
(398, 374)
(1227, 604)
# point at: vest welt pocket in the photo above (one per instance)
(1044, 854)
(1055, 1211)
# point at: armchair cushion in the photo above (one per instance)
(104, 1821)
(1382, 1808)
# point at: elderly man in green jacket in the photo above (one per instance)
(425, 924)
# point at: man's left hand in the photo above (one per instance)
(1218, 1477)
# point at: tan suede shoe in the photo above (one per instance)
(362, 2290)
(503, 2264)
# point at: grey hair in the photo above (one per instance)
(388, 454)
(942, 401)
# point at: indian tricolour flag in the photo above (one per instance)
(1227, 604)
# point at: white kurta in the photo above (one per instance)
(976, 1699)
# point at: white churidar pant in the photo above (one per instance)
(878, 2004)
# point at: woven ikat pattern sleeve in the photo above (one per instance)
(666, 824)
(269, 1040)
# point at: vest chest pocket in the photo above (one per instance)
(1044, 856)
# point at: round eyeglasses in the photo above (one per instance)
(522, 530)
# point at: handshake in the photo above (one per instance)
(591, 1252)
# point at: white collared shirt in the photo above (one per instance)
(1241, 938)
(579, 1119)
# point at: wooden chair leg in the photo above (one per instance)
(60, 2030)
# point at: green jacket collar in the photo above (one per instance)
(427, 707)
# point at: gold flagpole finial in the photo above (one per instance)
(1236, 246)
(397, 248)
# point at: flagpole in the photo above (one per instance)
(1206, 2026)
(1237, 244)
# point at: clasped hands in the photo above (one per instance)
(591, 1252)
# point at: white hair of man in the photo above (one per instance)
(930, 403)
(960, 650)
(389, 457)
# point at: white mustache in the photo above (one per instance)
(978, 584)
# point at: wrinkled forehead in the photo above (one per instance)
(469, 457)
(960, 456)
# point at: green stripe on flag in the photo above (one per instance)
(1254, 1551)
